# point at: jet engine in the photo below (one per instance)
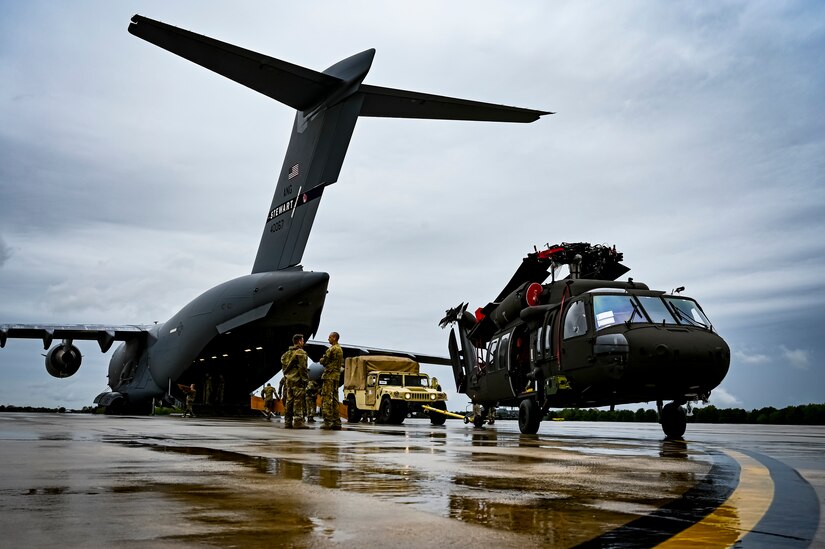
(63, 360)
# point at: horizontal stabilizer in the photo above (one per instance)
(392, 103)
(293, 85)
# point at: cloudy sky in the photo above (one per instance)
(690, 135)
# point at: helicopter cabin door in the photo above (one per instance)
(576, 344)
(520, 359)
(495, 382)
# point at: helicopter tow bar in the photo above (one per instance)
(444, 412)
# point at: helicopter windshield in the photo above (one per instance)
(688, 312)
(612, 309)
(656, 310)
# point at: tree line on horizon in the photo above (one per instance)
(805, 414)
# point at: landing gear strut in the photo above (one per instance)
(673, 419)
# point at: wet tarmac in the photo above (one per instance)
(80, 480)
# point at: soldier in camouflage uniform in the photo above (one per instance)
(294, 363)
(332, 361)
(312, 400)
(191, 393)
(268, 394)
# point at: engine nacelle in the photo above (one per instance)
(63, 360)
(527, 295)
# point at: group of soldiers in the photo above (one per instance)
(299, 393)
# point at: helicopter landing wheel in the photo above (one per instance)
(674, 420)
(529, 416)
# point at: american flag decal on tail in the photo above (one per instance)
(293, 171)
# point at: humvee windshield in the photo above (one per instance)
(403, 380)
(416, 381)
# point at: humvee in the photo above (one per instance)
(386, 389)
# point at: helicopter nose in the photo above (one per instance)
(679, 358)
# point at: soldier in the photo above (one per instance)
(191, 393)
(491, 415)
(268, 393)
(282, 393)
(294, 363)
(332, 361)
(312, 400)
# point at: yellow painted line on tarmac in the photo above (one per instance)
(737, 516)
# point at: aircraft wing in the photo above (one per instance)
(318, 348)
(105, 335)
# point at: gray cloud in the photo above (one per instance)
(5, 251)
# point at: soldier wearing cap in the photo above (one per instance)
(294, 363)
(332, 361)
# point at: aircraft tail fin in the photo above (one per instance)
(328, 104)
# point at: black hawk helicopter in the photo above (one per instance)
(586, 340)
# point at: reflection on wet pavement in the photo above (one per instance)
(233, 482)
(501, 480)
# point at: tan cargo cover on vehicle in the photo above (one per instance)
(356, 368)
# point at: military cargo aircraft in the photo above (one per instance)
(229, 339)
(586, 340)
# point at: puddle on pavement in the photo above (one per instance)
(545, 504)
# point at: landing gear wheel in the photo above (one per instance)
(478, 420)
(674, 420)
(385, 414)
(435, 417)
(529, 416)
(354, 415)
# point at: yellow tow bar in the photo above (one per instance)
(445, 412)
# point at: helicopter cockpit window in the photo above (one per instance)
(688, 312)
(491, 354)
(614, 309)
(548, 334)
(575, 323)
(503, 350)
(656, 310)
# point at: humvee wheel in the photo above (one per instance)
(399, 412)
(529, 416)
(354, 415)
(385, 414)
(435, 417)
(674, 420)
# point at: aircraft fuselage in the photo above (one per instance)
(234, 333)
